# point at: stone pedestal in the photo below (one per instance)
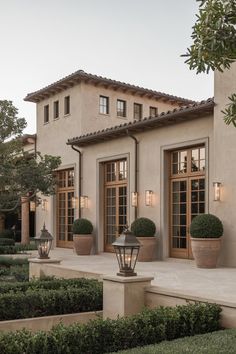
(36, 266)
(25, 221)
(124, 296)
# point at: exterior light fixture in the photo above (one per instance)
(32, 205)
(84, 201)
(217, 188)
(127, 248)
(74, 202)
(44, 204)
(148, 198)
(44, 243)
(134, 199)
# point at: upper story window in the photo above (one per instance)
(104, 105)
(153, 111)
(56, 109)
(67, 105)
(121, 108)
(46, 114)
(138, 108)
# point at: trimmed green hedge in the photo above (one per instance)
(7, 242)
(98, 337)
(40, 298)
(17, 249)
(51, 284)
(7, 234)
(8, 261)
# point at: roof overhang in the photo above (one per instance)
(204, 108)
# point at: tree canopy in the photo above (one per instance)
(21, 174)
(214, 43)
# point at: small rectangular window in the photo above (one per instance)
(104, 105)
(121, 108)
(46, 114)
(56, 109)
(67, 105)
(153, 111)
(138, 111)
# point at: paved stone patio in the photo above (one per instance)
(180, 276)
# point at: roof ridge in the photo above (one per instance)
(80, 74)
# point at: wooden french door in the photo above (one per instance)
(187, 197)
(65, 211)
(115, 201)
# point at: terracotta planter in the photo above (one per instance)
(148, 249)
(206, 251)
(83, 244)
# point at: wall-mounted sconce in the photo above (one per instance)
(148, 198)
(74, 202)
(44, 204)
(32, 205)
(217, 188)
(84, 201)
(134, 199)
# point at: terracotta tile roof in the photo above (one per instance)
(80, 75)
(187, 113)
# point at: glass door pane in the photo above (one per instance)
(110, 211)
(179, 214)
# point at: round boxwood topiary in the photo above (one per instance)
(82, 226)
(143, 227)
(206, 226)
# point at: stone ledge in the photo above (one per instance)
(44, 260)
(134, 279)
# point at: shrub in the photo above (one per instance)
(105, 336)
(7, 234)
(8, 261)
(206, 226)
(82, 226)
(143, 227)
(17, 248)
(38, 299)
(7, 242)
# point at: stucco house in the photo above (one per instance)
(128, 152)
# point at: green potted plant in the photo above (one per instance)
(144, 229)
(82, 236)
(206, 231)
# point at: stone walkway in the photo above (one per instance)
(180, 276)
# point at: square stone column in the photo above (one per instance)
(123, 296)
(36, 266)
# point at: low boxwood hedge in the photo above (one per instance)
(49, 297)
(17, 248)
(106, 336)
(51, 284)
(7, 242)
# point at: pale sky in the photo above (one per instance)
(134, 41)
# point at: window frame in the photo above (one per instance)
(155, 109)
(46, 114)
(121, 113)
(56, 109)
(140, 111)
(102, 105)
(66, 105)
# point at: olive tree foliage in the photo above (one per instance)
(21, 174)
(214, 43)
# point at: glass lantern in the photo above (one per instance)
(44, 243)
(127, 248)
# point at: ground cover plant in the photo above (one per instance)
(49, 297)
(106, 336)
(12, 270)
(211, 343)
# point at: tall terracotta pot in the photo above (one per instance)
(206, 251)
(83, 244)
(148, 249)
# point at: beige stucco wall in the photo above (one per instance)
(225, 164)
(152, 147)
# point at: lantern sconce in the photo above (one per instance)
(44, 204)
(74, 202)
(84, 201)
(148, 197)
(134, 199)
(32, 205)
(44, 243)
(217, 188)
